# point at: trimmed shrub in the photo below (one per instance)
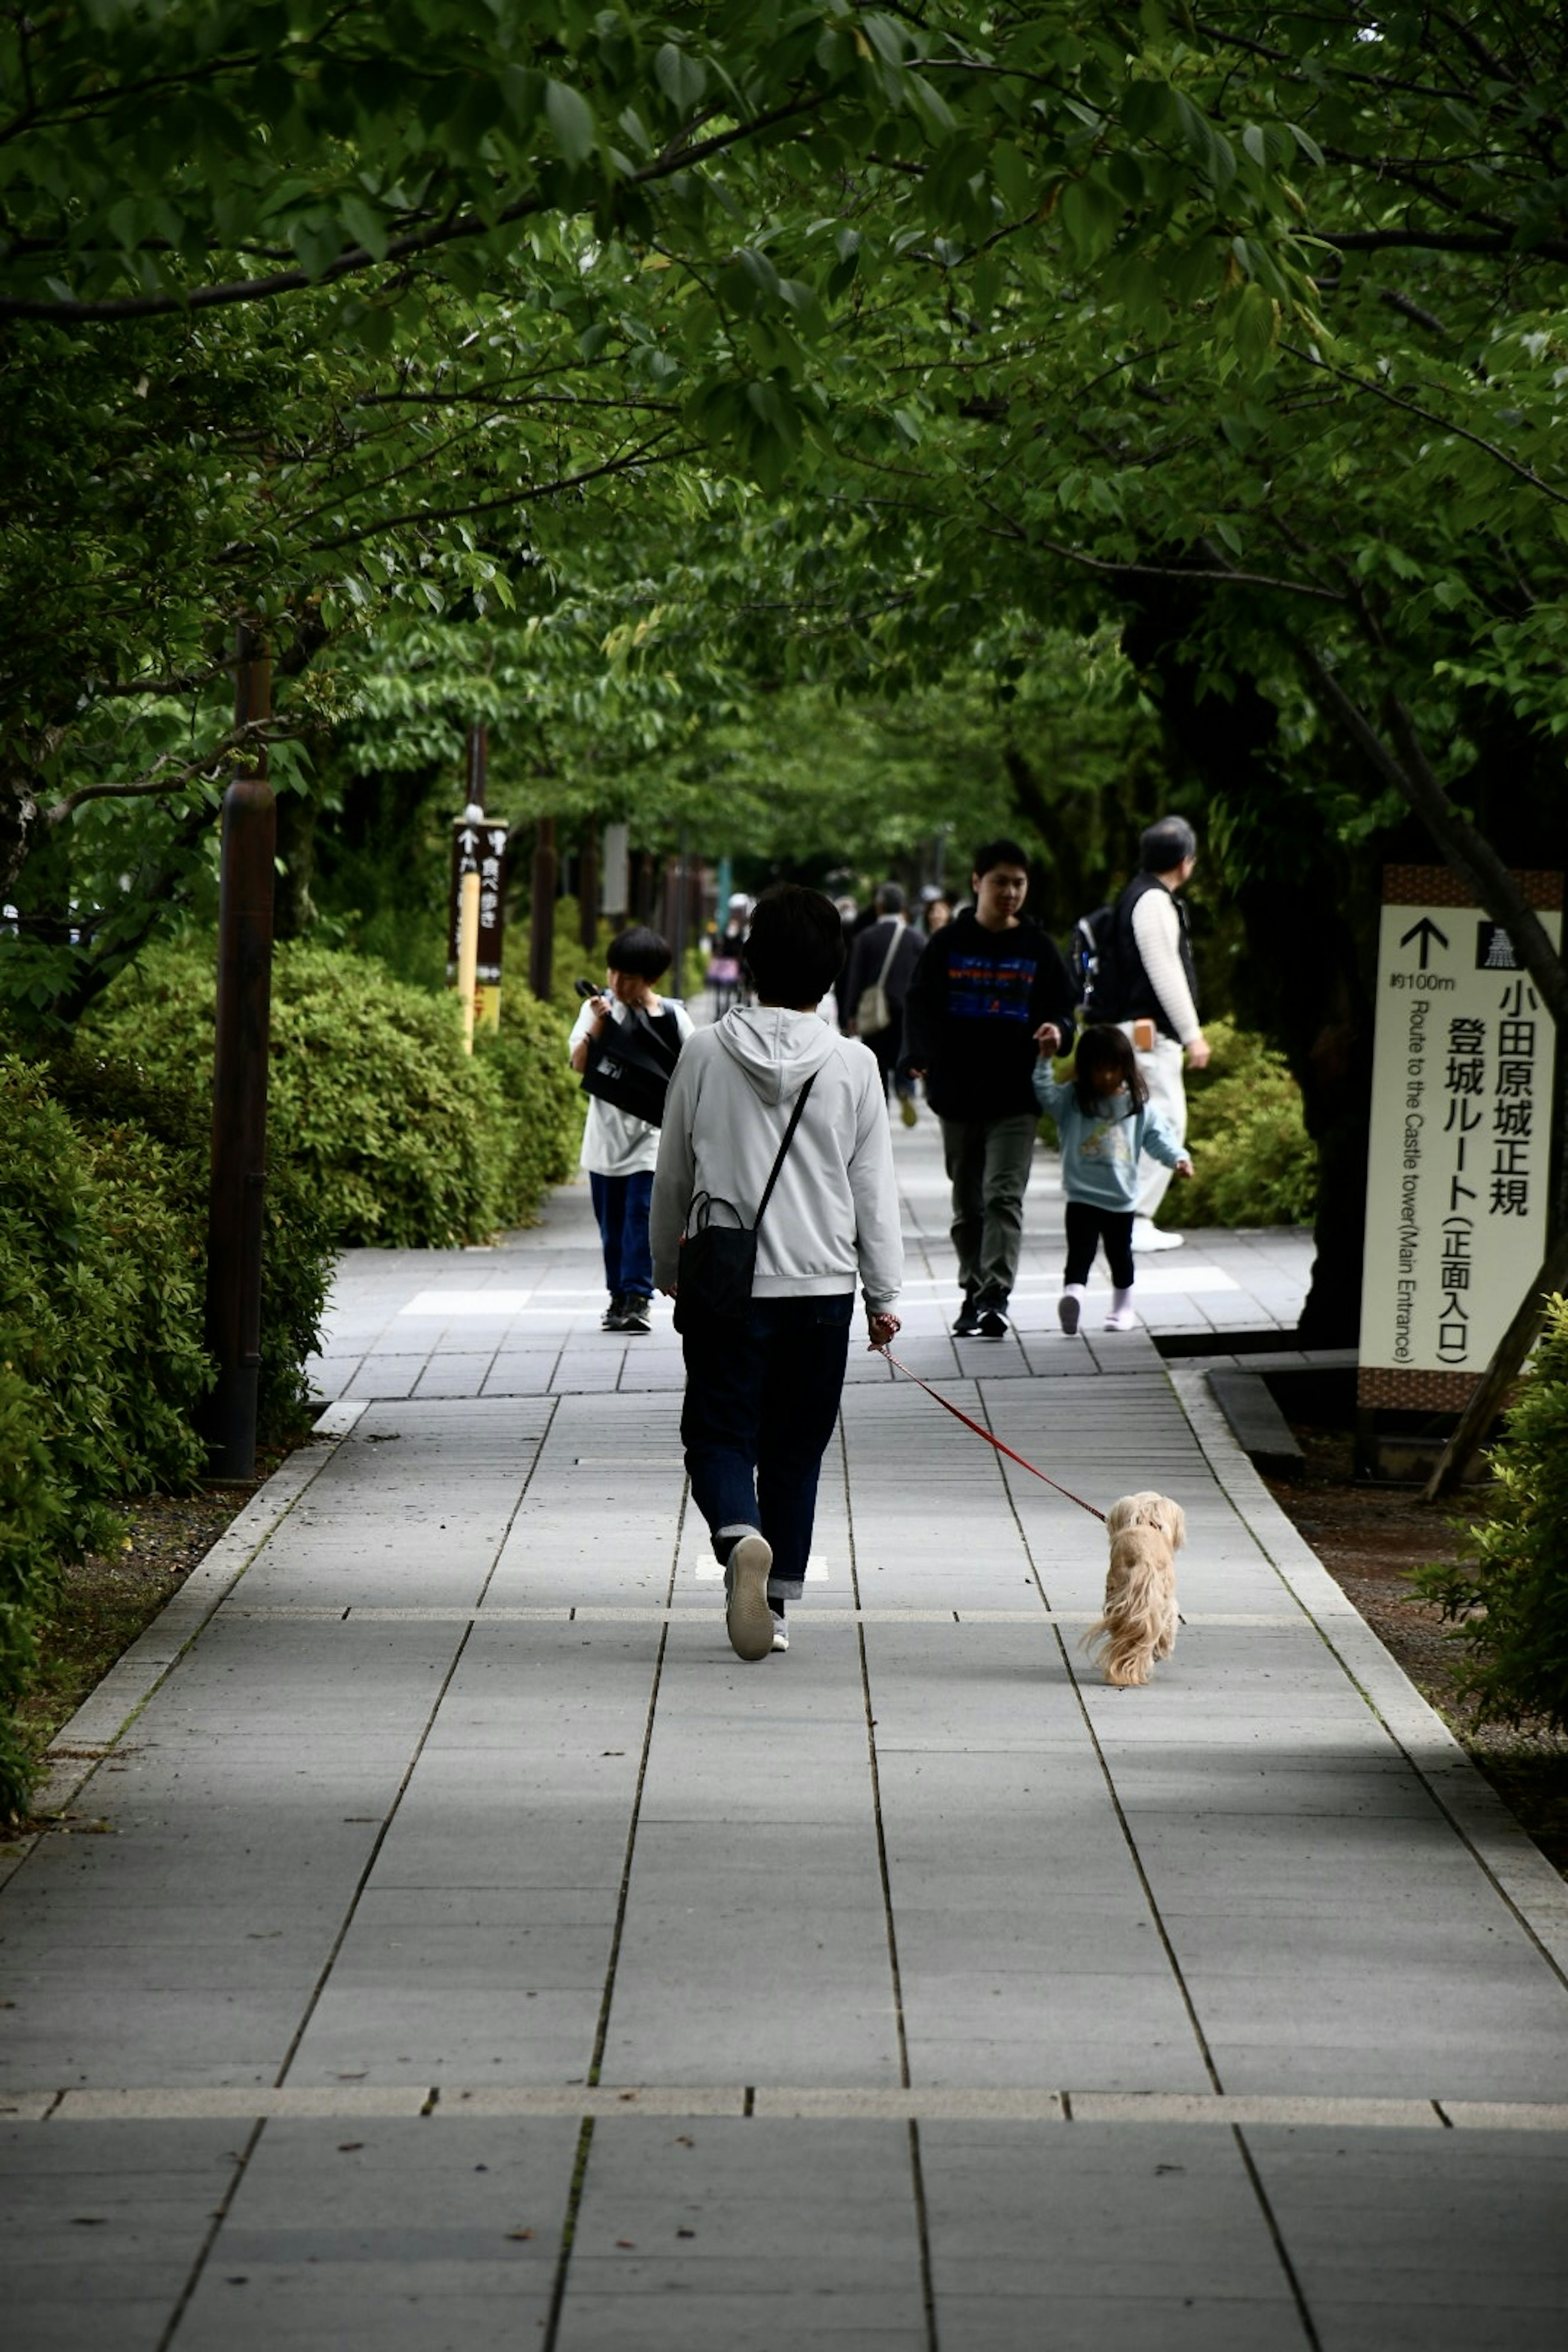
(1255, 1163)
(106, 1099)
(375, 1114)
(34, 1534)
(1509, 1586)
(397, 1133)
(543, 1100)
(101, 1363)
(101, 1312)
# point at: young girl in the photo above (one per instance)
(1104, 1119)
(620, 1152)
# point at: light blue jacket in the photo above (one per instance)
(1099, 1150)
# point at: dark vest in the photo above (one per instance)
(1127, 992)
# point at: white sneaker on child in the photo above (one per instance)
(1122, 1317)
(1069, 1307)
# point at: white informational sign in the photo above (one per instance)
(614, 867)
(1462, 1140)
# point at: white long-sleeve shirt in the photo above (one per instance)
(1157, 934)
(834, 1214)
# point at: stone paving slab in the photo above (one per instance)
(463, 1925)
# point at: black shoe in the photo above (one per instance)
(635, 1316)
(615, 1315)
(994, 1323)
(968, 1322)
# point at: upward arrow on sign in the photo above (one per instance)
(1426, 930)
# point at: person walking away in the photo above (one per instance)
(762, 1392)
(1106, 1122)
(1147, 984)
(882, 965)
(990, 990)
(620, 1151)
(728, 947)
(855, 920)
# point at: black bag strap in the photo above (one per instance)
(643, 1026)
(784, 1148)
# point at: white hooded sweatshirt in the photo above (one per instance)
(834, 1213)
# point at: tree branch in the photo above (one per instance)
(156, 783)
(357, 258)
(1411, 774)
(1439, 424)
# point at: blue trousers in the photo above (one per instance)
(761, 1397)
(621, 1204)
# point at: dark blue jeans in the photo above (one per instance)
(621, 1204)
(761, 1397)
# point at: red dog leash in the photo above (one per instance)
(986, 1433)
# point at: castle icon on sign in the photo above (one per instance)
(1494, 948)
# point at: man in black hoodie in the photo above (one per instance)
(990, 990)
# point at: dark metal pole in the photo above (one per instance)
(239, 1080)
(679, 912)
(588, 888)
(542, 928)
(479, 763)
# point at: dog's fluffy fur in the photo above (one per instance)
(1138, 1624)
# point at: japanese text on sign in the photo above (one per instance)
(1462, 1079)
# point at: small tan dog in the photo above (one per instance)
(1138, 1624)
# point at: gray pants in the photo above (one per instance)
(988, 1165)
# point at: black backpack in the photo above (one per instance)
(1088, 948)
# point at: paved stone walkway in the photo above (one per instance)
(453, 1945)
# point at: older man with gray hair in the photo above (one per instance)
(1147, 984)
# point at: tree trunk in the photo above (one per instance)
(542, 916)
(1308, 912)
(294, 908)
(1491, 1389)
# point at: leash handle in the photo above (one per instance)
(981, 1432)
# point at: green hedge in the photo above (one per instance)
(402, 1139)
(1253, 1163)
(34, 1537)
(380, 1129)
(543, 1100)
(1509, 1586)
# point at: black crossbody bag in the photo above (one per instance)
(719, 1263)
(630, 1065)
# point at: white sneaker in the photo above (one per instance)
(1148, 1236)
(781, 1635)
(748, 1619)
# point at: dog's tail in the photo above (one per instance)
(1122, 1640)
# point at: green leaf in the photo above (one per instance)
(681, 77)
(571, 119)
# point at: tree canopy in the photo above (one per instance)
(632, 364)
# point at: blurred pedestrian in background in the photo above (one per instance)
(880, 968)
(1146, 983)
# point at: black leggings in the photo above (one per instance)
(1087, 1227)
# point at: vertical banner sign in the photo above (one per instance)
(1463, 1063)
(478, 846)
(615, 871)
(492, 920)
